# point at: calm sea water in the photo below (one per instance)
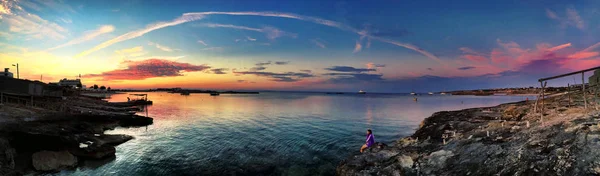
(268, 133)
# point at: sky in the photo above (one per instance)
(375, 46)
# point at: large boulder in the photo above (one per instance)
(53, 161)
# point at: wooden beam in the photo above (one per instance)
(568, 74)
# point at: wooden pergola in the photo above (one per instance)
(543, 83)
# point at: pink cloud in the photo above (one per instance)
(139, 70)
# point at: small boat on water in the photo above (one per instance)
(430, 93)
(413, 93)
(214, 94)
(361, 92)
(443, 93)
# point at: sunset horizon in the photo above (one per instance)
(294, 47)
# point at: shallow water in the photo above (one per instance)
(268, 133)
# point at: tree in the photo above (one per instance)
(96, 86)
(102, 88)
(108, 88)
(91, 87)
(79, 86)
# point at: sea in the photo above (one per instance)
(271, 133)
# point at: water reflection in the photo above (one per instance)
(269, 133)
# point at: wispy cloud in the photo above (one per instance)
(350, 69)
(131, 52)
(161, 47)
(278, 77)
(219, 71)
(202, 42)
(572, 18)
(87, 36)
(319, 42)
(31, 25)
(217, 49)
(270, 32)
(250, 38)
(371, 65)
(466, 68)
(357, 47)
(139, 70)
(187, 17)
(282, 62)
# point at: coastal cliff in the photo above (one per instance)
(508, 139)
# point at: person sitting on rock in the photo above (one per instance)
(370, 141)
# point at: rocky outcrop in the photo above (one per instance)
(501, 140)
(53, 161)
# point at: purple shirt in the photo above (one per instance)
(370, 140)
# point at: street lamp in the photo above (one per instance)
(17, 69)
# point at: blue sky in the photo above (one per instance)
(384, 46)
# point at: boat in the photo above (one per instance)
(214, 94)
(413, 93)
(361, 92)
(430, 93)
(443, 93)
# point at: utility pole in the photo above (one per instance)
(17, 69)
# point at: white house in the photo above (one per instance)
(6, 73)
(70, 82)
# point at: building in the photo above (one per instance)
(21, 87)
(74, 83)
(6, 73)
(595, 79)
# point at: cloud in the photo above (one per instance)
(131, 52)
(319, 42)
(258, 68)
(430, 69)
(572, 18)
(217, 49)
(271, 33)
(357, 47)
(202, 42)
(353, 77)
(187, 17)
(306, 71)
(219, 71)
(278, 77)
(282, 62)
(87, 36)
(250, 38)
(349, 69)
(371, 65)
(263, 63)
(31, 25)
(466, 68)
(151, 68)
(161, 47)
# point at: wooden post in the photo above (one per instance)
(543, 85)
(583, 88)
(569, 93)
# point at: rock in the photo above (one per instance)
(405, 161)
(7, 155)
(438, 159)
(95, 152)
(113, 139)
(53, 161)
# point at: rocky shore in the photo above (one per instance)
(509, 139)
(41, 140)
